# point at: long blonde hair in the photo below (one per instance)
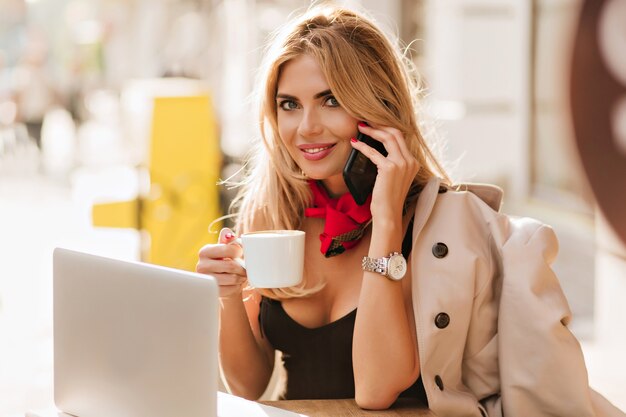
(370, 79)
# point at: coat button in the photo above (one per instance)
(439, 382)
(440, 250)
(442, 320)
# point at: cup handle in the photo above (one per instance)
(239, 261)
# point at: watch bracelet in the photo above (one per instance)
(378, 265)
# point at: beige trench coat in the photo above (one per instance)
(490, 315)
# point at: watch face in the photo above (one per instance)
(396, 267)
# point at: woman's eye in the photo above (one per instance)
(288, 105)
(331, 101)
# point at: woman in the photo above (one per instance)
(347, 330)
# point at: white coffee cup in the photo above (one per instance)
(273, 258)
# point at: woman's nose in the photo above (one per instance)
(310, 124)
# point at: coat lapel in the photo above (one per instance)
(425, 204)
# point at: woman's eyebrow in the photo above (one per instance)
(287, 96)
(316, 96)
(323, 94)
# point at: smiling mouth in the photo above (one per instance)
(317, 150)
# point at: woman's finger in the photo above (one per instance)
(372, 154)
(226, 235)
(219, 266)
(220, 251)
(409, 162)
(385, 137)
(403, 159)
(399, 136)
(227, 280)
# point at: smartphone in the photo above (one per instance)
(359, 173)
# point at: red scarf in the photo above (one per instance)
(345, 223)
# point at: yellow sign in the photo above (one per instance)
(184, 167)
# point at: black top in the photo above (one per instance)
(318, 361)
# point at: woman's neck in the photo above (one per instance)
(335, 187)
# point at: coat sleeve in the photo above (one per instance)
(542, 369)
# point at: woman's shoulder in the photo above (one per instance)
(489, 194)
(479, 204)
(476, 200)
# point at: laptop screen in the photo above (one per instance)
(133, 339)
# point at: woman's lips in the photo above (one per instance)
(317, 151)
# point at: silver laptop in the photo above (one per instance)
(133, 339)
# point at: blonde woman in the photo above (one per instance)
(429, 330)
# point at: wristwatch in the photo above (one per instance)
(392, 266)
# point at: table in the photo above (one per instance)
(348, 408)
(232, 406)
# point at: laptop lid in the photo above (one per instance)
(133, 339)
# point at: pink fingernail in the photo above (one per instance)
(229, 235)
(354, 140)
(362, 124)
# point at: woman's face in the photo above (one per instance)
(312, 125)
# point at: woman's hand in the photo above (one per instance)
(396, 171)
(217, 260)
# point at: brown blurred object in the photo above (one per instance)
(597, 98)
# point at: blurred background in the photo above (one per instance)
(118, 117)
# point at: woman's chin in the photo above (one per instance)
(322, 175)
